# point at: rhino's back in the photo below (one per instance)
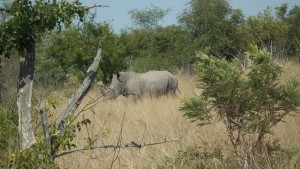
(154, 82)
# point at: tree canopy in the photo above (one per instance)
(148, 17)
(213, 25)
(30, 19)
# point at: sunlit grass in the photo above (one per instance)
(153, 120)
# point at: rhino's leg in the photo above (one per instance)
(133, 97)
(171, 92)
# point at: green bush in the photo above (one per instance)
(8, 133)
(204, 157)
(162, 48)
(249, 104)
(215, 157)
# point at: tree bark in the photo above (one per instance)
(46, 134)
(24, 95)
(75, 101)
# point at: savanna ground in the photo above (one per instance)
(154, 120)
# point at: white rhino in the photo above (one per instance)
(131, 84)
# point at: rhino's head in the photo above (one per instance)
(116, 88)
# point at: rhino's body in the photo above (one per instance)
(154, 83)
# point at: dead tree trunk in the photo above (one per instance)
(24, 94)
(75, 101)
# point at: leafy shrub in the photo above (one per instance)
(163, 48)
(215, 157)
(249, 104)
(204, 157)
(8, 133)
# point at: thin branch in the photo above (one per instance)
(132, 144)
(297, 40)
(95, 6)
(117, 150)
(144, 133)
(46, 134)
(91, 104)
(6, 86)
(230, 133)
(98, 157)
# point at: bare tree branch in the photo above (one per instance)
(46, 134)
(95, 6)
(6, 86)
(92, 103)
(80, 93)
(132, 144)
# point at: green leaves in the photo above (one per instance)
(85, 122)
(197, 109)
(8, 132)
(219, 79)
(268, 32)
(290, 98)
(212, 25)
(149, 17)
(69, 52)
(160, 48)
(248, 103)
(28, 21)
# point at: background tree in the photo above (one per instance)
(269, 32)
(28, 21)
(78, 43)
(292, 19)
(161, 48)
(212, 26)
(149, 17)
(281, 11)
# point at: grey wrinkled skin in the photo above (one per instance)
(131, 84)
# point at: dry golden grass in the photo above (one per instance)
(148, 121)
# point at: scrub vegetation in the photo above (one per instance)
(237, 104)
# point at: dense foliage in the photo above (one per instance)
(29, 20)
(69, 53)
(149, 17)
(210, 26)
(213, 27)
(161, 48)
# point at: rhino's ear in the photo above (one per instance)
(118, 75)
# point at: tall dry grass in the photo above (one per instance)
(289, 132)
(148, 121)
